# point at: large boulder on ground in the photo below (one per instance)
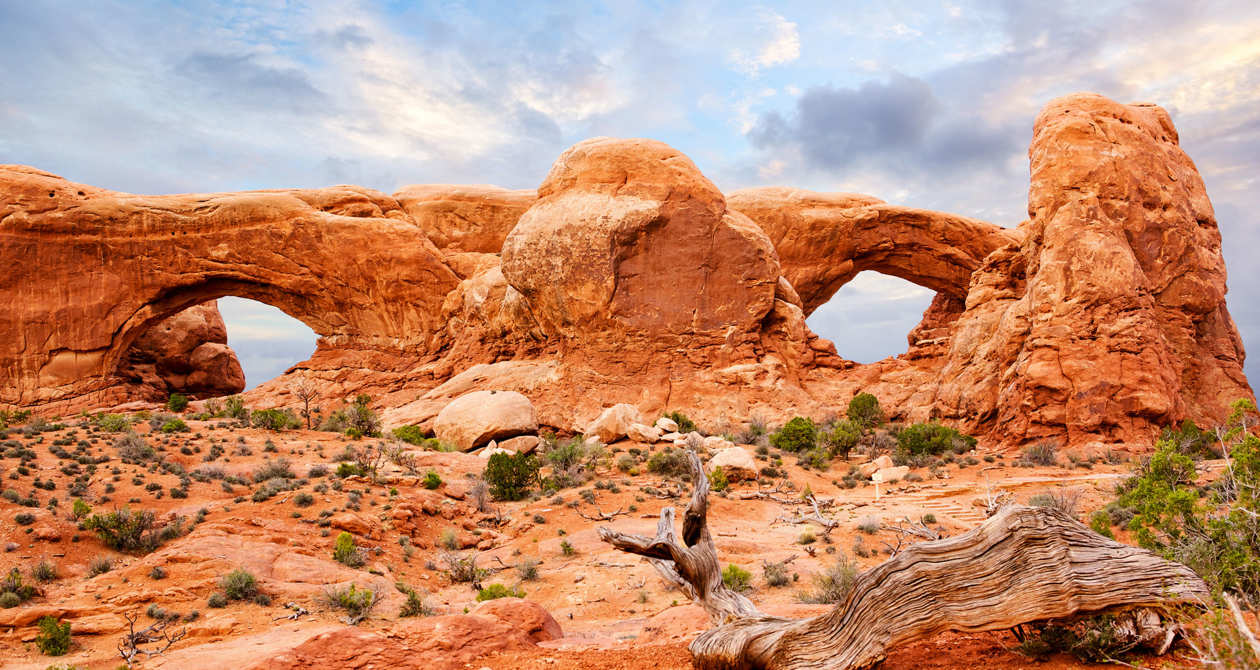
(474, 419)
(523, 615)
(613, 423)
(641, 433)
(736, 463)
(185, 353)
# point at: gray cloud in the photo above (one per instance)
(242, 79)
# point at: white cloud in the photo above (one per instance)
(778, 43)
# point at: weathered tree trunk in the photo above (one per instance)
(1023, 565)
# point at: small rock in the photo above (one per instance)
(667, 425)
(521, 444)
(643, 433)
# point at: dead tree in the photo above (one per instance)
(305, 393)
(149, 641)
(1023, 565)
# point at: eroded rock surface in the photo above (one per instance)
(186, 353)
(628, 277)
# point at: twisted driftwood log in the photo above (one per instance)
(1023, 565)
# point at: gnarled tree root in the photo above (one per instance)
(1023, 565)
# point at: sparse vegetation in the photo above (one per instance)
(125, 530)
(495, 591)
(357, 603)
(797, 435)
(239, 585)
(833, 584)
(345, 551)
(274, 419)
(510, 476)
(177, 402)
(431, 480)
(54, 636)
(736, 578)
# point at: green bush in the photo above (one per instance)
(133, 449)
(345, 551)
(1100, 523)
(274, 419)
(833, 584)
(416, 604)
(54, 636)
(348, 470)
(113, 423)
(1041, 453)
(80, 509)
(217, 599)
(841, 437)
(799, 434)
(668, 462)
(510, 476)
(24, 518)
(125, 530)
(932, 439)
(177, 402)
(717, 480)
(234, 408)
(9, 599)
(410, 434)
(496, 591)
(239, 585)
(14, 591)
(432, 480)
(736, 578)
(357, 603)
(864, 410)
(1191, 440)
(175, 426)
(685, 424)
(278, 469)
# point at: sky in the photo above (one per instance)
(926, 104)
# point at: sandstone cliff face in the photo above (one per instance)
(628, 277)
(186, 353)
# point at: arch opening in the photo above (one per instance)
(267, 341)
(871, 317)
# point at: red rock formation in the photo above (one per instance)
(186, 353)
(631, 278)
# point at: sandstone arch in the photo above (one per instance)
(825, 239)
(89, 270)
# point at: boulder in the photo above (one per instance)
(641, 433)
(667, 425)
(716, 443)
(474, 419)
(523, 615)
(521, 444)
(613, 423)
(890, 475)
(736, 463)
(880, 463)
(186, 353)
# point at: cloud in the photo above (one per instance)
(776, 42)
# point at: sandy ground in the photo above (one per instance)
(606, 601)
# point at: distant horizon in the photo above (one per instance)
(929, 105)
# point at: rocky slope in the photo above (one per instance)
(629, 277)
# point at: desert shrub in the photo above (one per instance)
(14, 590)
(527, 570)
(416, 604)
(357, 603)
(1041, 453)
(177, 402)
(717, 480)
(1100, 523)
(462, 569)
(174, 426)
(239, 585)
(158, 573)
(217, 599)
(840, 437)
(304, 500)
(80, 509)
(496, 591)
(348, 470)
(24, 518)
(1214, 530)
(755, 433)
(799, 434)
(133, 449)
(278, 469)
(864, 410)
(736, 578)
(125, 530)
(668, 462)
(44, 571)
(113, 423)
(816, 458)
(1064, 500)
(53, 638)
(234, 408)
(345, 551)
(99, 566)
(510, 476)
(833, 584)
(567, 549)
(410, 434)
(776, 574)
(685, 424)
(931, 438)
(1191, 440)
(274, 419)
(868, 525)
